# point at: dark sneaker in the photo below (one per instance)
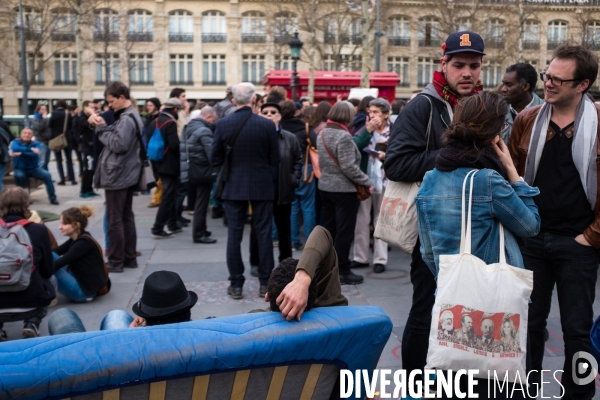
(84, 196)
(205, 240)
(356, 264)
(235, 293)
(93, 194)
(30, 330)
(182, 219)
(175, 230)
(74, 183)
(132, 264)
(378, 268)
(54, 202)
(254, 270)
(161, 235)
(297, 246)
(351, 279)
(114, 268)
(61, 183)
(262, 291)
(3, 337)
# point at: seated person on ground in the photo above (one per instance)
(79, 265)
(25, 154)
(165, 300)
(27, 305)
(291, 293)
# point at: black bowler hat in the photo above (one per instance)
(275, 105)
(463, 42)
(164, 294)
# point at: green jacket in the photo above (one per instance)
(361, 141)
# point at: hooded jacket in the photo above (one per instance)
(408, 158)
(170, 162)
(199, 137)
(290, 167)
(298, 128)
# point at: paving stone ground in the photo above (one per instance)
(204, 270)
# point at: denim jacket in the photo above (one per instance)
(439, 211)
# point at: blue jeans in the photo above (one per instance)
(105, 226)
(2, 166)
(64, 321)
(21, 176)
(305, 201)
(44, 157)
(68, 285)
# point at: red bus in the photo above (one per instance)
(330, 84)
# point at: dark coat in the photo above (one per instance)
(406, 159)
(360, 119)
(83, 132)
(148, 128)
(290, 167)
(170, 162)
(6, 137)
(40, 291)
(199, 135)
(251, 158)
(57, 121)
(298, 128)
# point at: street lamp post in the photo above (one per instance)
(295, 48)
(21, 28)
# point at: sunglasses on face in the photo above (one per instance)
(267, 112)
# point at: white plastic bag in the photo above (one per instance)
(480, 311)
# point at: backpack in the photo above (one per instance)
(16, 256)
(156, 145)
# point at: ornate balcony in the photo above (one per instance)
(181, 37)
(398, 41)
(253, 38)
(214, 38)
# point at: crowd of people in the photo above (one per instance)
(283, 165)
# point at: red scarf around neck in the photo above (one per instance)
(445, 91)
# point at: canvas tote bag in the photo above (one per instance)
(474, 299)
(398, 222)
(60, 142)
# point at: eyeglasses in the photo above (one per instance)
(272, 112)
(555, 81)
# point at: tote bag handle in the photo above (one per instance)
(465, 231)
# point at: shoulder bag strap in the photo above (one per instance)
(334, 158)
(502, 259)
(429, 123)
(234, 138)
(465, 231)
(308, 145)
(65, 123)
(143, 155)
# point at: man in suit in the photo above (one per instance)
(253, 159)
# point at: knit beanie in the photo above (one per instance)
(155, 101)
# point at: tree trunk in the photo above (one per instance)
(311, 52)
(366, 50)
(79, 50)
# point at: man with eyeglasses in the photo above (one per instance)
(555, 147)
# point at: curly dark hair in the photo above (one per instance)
(281, 276)
(526, 73)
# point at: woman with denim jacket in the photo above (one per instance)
(499, 194)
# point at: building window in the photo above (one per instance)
(531, 35)
(106, 28)
(33, 22)
(283, 63)
(593, 35)
(253, 27)
(141, 69)
(399, 31)
(214, 27)
(399, 65)
(494, 33)
(140, 26)
(181, 27)
(253, 68)
(182, 69)
(491, 74)
(33, 63)
(557, 34)
(285, 25)
(429, 32)
(65, 69)
(464, 24)
(425, 69)
(107, 68)
(346, 62)
(344, 32)
(64, 26)
(213, 69)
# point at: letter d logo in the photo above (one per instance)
(589, 367)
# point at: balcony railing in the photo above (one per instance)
(494, 43)
(592, 45)
(63, 37)
(429, 42)
(181, 82)
(30, 35)
(398, 41)
(214, 38)
(142, 82)
(253, 38)
(181, 37)
(140, 36)
(65, 81)
(531, 45)
(552, 44)
(343, 39)
(106, 37)
(283, 39)
(100, 82)
(38, 81)
(214, 82)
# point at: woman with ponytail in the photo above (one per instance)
(79, 266)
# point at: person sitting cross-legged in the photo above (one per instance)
(25, 154)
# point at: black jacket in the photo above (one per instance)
(290, 167)
(85, 261)
(57, 121)
(6, 137)
(298, 128)
(170, 162)
(149, 125)
(40, 291)
(199, 135)
(406, 159)
(83, 132)
(360, 120)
